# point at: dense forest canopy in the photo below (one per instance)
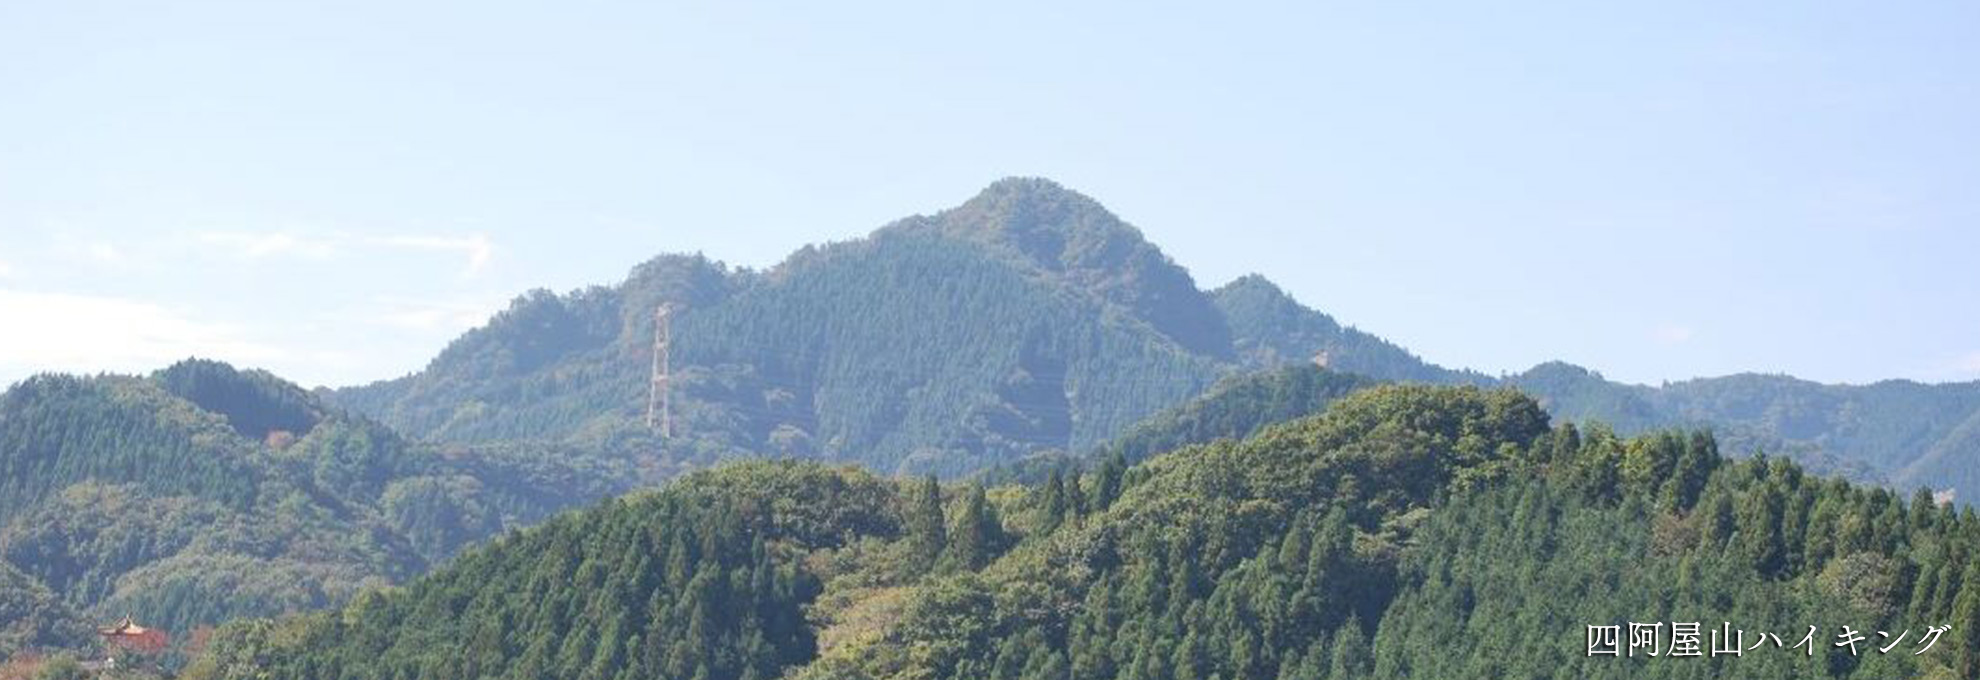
(202, 493)
(1405, 531)
(1234, 408)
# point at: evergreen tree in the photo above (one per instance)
(1352, 658)
(1052, 506)
(978, 534)
(927, 527)
(1966, 623)
(1107, 482)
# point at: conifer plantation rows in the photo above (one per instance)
(1404, 532)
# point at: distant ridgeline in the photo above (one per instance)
(202, 493)
(1030, 319)
(1147, 490)
(1406, 531)
(1027, 319)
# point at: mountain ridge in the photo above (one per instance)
(200, 493)
(980, 334)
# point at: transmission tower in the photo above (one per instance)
(659, 414)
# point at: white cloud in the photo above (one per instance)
(6, 270)
(83, 333)
(1969, 364)
(1673, 334)
(475, 247)
(258, 245)
(105, 252)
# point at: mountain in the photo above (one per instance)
(1896, 432)
(1028, 335)
(1074, 240)
(1235, 408)
(1430, 532)
(1028, 318)
(1271, 328)
(203, 493)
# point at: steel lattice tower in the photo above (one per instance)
(659, 412)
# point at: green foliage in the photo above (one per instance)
(202, 494)
(707, 578)
(1294, 531)
(1405, 532)
(32, 618)
(978, 534)
(1446, 533)
(1898, 432)
(1237, 408)
(59, 430)
(1234, 408)
(927, 527)
(255, 403)
(61, 667)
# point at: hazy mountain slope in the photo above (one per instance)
(1027, 319)
(1235, 408)
(1077, 241)
(1270, 327)
(1898, 432)
(203, 493)
(549, 365)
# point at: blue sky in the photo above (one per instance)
(1656, 190)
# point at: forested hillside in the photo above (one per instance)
(1896, 432)
(33, 618)
(1028, 319)
(202, 493)
(1405, 532)
(1027, 335)
(707, 579)
(1270, 328)
(1234, 408)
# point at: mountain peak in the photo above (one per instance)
(1051, 224)
(1254, 284)
(1034, 192)
(1072, 237)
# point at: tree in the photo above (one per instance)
(63, 667)
(978, 533)
(1352, 658)
(1107, 482)
(1052, 507)
(1966, 623)
(927, 527)
(1759, 520)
